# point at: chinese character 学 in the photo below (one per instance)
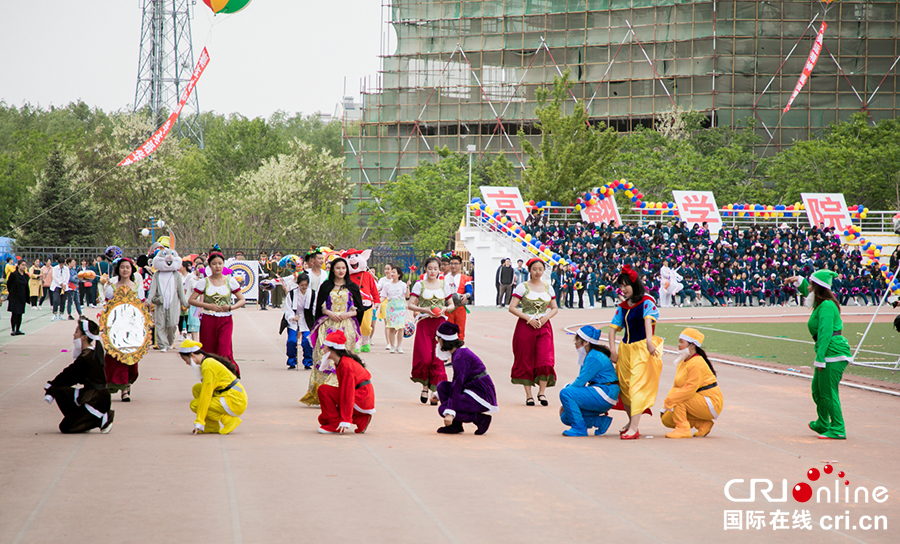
(827, 212)
(698, 209)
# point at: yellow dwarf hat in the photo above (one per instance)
(189, 346)
(693, 336)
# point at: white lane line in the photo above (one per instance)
(30, 375)
(785, 339)
(412, 495)
(40, 505)
(232, 495)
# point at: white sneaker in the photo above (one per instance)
(163, 350)
(399, 349)
(387, 347)
(390, 349)
(53, 318)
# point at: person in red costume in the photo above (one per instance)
(460, 284)
(352, 402)
(359, 274)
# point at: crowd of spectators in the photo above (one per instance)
(739, 267)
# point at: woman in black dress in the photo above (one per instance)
(17, 284)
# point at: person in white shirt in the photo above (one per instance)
(314, 261)
(299, 307)
(58, 287)
(665, 278)
(393, 300)
(382, 308)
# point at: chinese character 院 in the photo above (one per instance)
(827, 212)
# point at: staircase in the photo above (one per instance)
(488, 248)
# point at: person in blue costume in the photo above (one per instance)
(586, 401)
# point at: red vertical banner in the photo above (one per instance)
(151, 144)
(810, 64)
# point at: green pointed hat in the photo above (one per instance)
(823, 278)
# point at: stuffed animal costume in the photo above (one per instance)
(368, 288)
(165, 288)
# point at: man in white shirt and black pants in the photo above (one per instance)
(299, 306)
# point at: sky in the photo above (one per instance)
(289, 55)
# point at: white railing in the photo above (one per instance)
(504, 239)
(875, 221)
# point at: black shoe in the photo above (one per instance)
(454, 428)
(109, 421)
(18, 333)
(482, 421)
(71, 318)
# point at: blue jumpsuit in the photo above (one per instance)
(586, 400)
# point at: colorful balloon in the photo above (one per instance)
(226, 6)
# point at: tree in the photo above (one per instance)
(292, 199)
(854, 158)
(55, 213)
(424, 207)
(235, 145)
(574, 156)
(130, 195)
(683, 155)
(310, 129)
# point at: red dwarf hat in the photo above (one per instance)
(350, 252)
(336, 340)
(532, 261)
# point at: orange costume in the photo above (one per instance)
(462, 285)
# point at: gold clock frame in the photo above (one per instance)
(123, 295)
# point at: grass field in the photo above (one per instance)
(790, 344)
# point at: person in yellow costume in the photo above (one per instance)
(219, 398)
(695, 399)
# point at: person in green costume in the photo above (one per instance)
(832, 352)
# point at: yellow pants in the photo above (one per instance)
(695, 410)
(220, 406)
(638, 373)
(365, 328)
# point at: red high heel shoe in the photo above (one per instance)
(635, 436)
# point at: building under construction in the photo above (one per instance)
(464, 73)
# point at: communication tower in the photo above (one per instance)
(165, 65)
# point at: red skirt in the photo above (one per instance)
(119, 376)
(427, 369)
(533, 356)
(215, 335)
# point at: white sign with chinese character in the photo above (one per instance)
(826, 210)
(506, 198)
(698, 207)
(604, 211)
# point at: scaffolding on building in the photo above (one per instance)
(459, 73)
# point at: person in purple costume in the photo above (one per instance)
(470, 397)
